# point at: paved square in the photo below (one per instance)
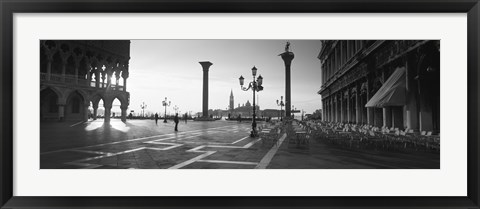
(142, 144)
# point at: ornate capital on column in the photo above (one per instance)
(206, 65)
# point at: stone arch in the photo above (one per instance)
(120, 97)
(75, 107)
(81, 92)
(96, 98)
(56, 90)
(50, 98)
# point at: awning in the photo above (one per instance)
(392, 92)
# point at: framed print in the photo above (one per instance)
(159, 104)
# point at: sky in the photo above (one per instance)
(170, 68)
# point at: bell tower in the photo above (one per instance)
(231, 101)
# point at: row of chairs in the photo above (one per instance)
(365, 137)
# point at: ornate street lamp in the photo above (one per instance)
(255, 85)
(166, 103)
(176, 109)
(143, 106)
(281, 104)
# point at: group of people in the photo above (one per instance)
(176, 120)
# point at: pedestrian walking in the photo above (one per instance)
(175, 119)
(186, 117)
(156, 118)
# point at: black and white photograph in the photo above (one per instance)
(239, 104)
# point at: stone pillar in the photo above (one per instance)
(324, 110)
(49, 66)
(338, 109)
(387, 117)
(397, 117)
(108, 110)
(348, 107)
(411, 113)
(328, 109)
(358, 107)
(378, 119)
(95, 108)
(370, 119)
(61, 112)
(89, 76)
(97, 77)
(342, 109)
(103, 78)
(205, 65)
(124, 113)
(287, 59)
(85, 111)
(77, 64)
(125, 75)
(64, 67)
(109, 76)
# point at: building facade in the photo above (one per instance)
(383, 83)
(77, 74)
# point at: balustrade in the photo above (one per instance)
(71, 80)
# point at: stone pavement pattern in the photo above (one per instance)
(141, 144)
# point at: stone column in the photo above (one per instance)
(205, 66)
(109, 73)
(95, 108)
(86, 111)
(378, 119)
(358, 107)
(125, 76)
(61, 111)
(287, 59)
(49, 66)
(77, 64)
(64, 67)
(397, 117)
(334, 108)
(102, 73)
(342, 109)
(348, 107)
(328, 109)
(108, 110)
(124, 113)
(338, 109)
(387, 117)
(97, 77)
(370, 119)
(324, 110)
(411, 92)
(89, 75)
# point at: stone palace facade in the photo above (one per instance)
(76, 74)
(383, 83)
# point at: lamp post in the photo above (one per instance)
(255, 85)
(175, 108)
(143, 106)
(166, 103)
(281, 104)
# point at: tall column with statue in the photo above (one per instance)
(287, 57)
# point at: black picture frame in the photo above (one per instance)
(10, 7)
